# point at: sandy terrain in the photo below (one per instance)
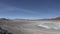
(28, 27)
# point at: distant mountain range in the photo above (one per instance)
(56, 18)
(5, 19)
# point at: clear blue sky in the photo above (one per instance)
(29, 8)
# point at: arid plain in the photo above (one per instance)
(28, 27)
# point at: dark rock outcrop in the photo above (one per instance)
(2, 31)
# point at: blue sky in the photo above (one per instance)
(30, 9)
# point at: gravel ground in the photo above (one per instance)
(28, 27)
(2, 31)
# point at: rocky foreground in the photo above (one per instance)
(2, 31)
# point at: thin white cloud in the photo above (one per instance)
(6, 8)
(25, 10)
